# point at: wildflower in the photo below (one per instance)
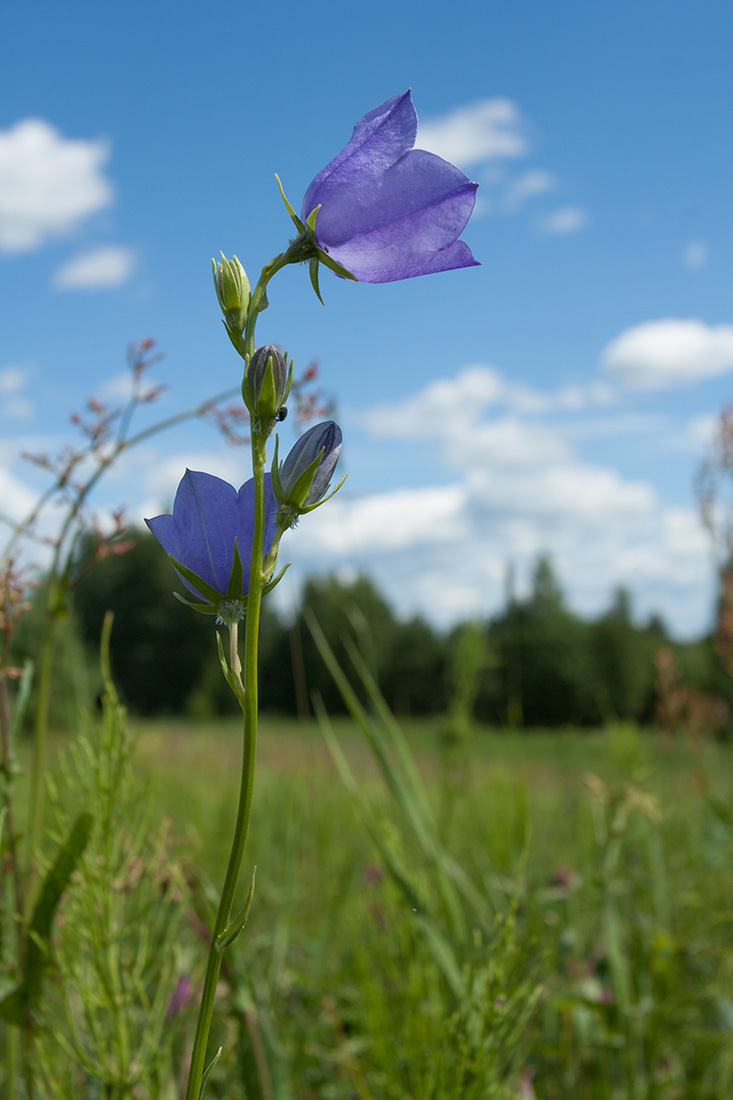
(301, 482)
(388, 211)
(208, 538)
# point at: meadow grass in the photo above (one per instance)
(612, 850)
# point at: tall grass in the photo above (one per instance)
(606, 862)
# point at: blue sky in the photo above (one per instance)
(559, 398)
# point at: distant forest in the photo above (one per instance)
(534, 664)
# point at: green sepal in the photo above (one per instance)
(204, 590)
(203, 608)
(310, 507)
(19, 1004)
(307, 247)
(237, 926)
(234, 588)
(275, 580)
(335, 266)
(277, 485)
(302, 486)
(267, 403)
(296, 220)
(313, 271)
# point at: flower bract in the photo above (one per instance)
(389, 211)
(209, 516)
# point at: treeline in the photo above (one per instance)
(535, 663)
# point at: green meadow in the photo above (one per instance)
(593, 943)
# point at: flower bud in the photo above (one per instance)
(267, 385)
(232, 290)
(303, 479)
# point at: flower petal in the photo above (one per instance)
(388, 211)
(205, 511)
(379, 139)
(419, 242)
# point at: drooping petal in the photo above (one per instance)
(205, 512)
(389, 211)
(415, 242)
(208, 515)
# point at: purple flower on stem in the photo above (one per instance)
(389, 211)
(209, 536)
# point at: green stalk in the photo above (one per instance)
(248, 697)
(249, 704)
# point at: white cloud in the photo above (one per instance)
(662, 354)
(96, 270)
(48, 184)
(485, 130)
(465, 397)
(518, 488)
(695, 255)
(527, 186)
(568, 219)
(402, 519)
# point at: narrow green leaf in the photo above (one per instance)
(237, 926)
(207, 1072)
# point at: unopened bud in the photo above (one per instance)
(303, 479)
(267, 385)
(232, 290)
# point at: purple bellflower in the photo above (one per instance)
(389, 211)
(209, 538)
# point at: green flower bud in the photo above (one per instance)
(232, 290)
(267, 380)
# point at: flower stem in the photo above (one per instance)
(248, 699)
(249, 704)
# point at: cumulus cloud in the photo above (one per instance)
(486, 130)
(48, 184)
(465, 397)
(98, 269)
(518, 487)
(663, 354)
(568, 219)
